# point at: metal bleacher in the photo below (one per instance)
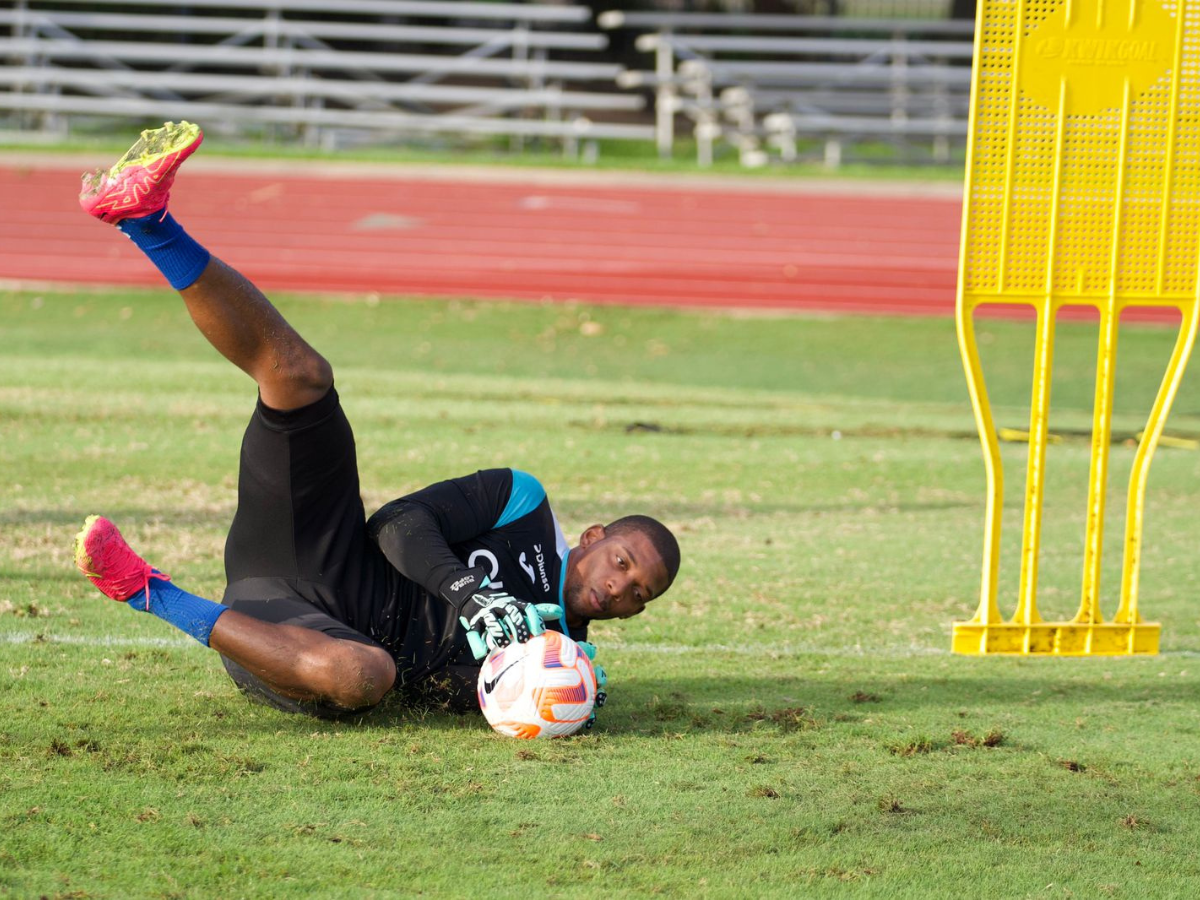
(763, 82)
(376, 71)
(329, 74)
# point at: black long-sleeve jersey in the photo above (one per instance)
(498, 522)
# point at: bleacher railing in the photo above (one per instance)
(762, 81)
(383, 68)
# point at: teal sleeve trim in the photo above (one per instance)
(527, 494)
(562, 603)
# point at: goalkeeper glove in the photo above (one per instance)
(601, 681)
(493, 618)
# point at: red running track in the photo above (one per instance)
(444, 232)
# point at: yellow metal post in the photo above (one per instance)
(1035, 485)
(1080, 190)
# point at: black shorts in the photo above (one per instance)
(298, 551)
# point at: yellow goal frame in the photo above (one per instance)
(1082, 189)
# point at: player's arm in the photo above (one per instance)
(416, 534)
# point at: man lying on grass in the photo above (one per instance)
(325, 611)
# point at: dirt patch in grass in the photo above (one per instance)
(792, 718)
(911, 748)
(964, 738)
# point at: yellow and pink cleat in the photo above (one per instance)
(109, 563)
(140, 183)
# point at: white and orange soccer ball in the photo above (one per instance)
(542, 688)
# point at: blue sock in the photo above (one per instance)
(168, 246)
(187, 612)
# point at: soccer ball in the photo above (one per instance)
(542, 688)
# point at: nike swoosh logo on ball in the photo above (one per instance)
(489, 686)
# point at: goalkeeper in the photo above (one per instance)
(326, 611)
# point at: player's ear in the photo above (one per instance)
(591, 534)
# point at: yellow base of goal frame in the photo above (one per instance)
(1056, 639)
(1082, 190)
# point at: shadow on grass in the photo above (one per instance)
(653, 707)
(739, 705)
(216, 732)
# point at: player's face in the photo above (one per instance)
(612, 576)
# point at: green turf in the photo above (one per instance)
(786, 722)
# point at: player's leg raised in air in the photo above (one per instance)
(295, 553)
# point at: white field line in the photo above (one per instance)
(770, 651)
(92, 640)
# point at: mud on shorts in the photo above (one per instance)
(298, 551)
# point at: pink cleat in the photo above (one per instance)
(108, 562)
(140, 183)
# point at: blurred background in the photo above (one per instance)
(768, 83)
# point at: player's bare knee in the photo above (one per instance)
(354, 676)
(319, 373)
(303, 368)
(292, 376)
(378, 674)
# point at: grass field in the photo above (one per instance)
(865, 161)
(786, 722)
